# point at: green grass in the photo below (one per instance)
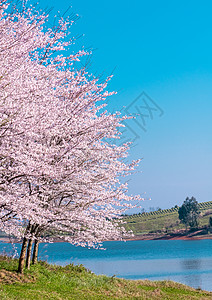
(45, 281)
(165, 220)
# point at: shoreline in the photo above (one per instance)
(147, 237)
(182, 235)
(150, 238)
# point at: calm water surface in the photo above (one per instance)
(188, 262)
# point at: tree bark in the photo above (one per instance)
(35, 252)
(29, 250)
(22, 256)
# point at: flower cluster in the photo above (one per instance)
(59, 168)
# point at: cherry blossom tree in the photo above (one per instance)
(60, 169)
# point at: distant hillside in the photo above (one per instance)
(160, 222)
(164, 220)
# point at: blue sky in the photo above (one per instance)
(165, 49)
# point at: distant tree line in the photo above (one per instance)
(189, 213)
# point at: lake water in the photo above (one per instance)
(188, 262)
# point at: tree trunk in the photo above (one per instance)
(29, 250)
(22, 256)
(35, 252)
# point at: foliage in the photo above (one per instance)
(46, 281)
(210, 222)
(189, 212)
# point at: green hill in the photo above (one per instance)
(164, 221)
(46, 281)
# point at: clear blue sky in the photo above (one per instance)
(165, 49)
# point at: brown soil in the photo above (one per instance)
(182, 234)
(9, 277)
(178, 235)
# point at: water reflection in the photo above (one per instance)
(191, 264)
(196, 267)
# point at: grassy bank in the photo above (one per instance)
(164, 221)
(46, 281)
